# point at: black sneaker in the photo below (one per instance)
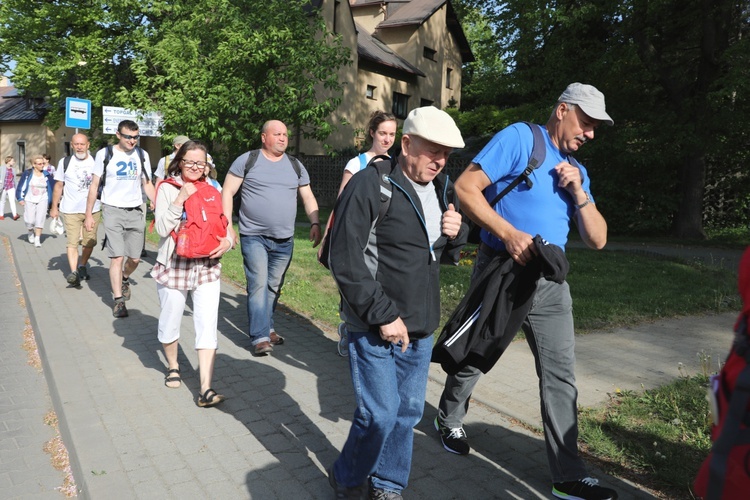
(379, 494)
(342, 492)
(126, 289)
(73, 279)
(453, 439)
(119, 310)
(584, 489)
(83, 273)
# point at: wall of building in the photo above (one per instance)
(343, 134)
(33, 136)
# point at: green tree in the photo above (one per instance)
(675, 74)
(216, 69)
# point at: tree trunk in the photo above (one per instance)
(688, 222)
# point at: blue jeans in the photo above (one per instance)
(551, 337)
(266, 261)
(389, 387)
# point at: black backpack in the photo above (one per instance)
(384, 165)
(107, 157)
(538, 154)
(250, 163)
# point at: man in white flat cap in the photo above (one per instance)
(560, 191)
(388, 271)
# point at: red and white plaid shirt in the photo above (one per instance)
(9, 179)
(186, 274)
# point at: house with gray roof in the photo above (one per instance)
(405, 54)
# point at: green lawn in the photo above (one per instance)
(656, 438)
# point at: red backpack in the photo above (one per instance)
(725, 474)
(204, 222)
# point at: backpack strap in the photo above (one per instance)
(250, 163)
(384, 165)
(66, 162)
(108, 157)
(362, 161)
(253, 158)
(538, 154)
(296, 166)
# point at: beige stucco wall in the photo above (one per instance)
(409, 42)
(40, 140)
(350, 105)
(352, 115)
(32, 134)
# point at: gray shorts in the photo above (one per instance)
(125, 231)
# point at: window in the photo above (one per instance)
(400, 105)
(21, 149)
(429, 54)
(335, 15)
(448, 83)
(370, 93)
(425, 102)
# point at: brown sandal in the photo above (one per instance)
(173, 379)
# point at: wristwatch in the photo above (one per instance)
(588, 200)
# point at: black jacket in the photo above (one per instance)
(493, 310)
(388, 270)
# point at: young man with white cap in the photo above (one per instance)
(388, 272)
(559, 192)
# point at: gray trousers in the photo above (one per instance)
(550, 335)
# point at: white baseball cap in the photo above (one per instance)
(589, 99)
(434, 125)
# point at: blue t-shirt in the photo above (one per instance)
(543, 209)
(269, 196)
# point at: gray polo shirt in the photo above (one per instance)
(269, 196)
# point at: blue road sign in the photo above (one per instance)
(77, 113)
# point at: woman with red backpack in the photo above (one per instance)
(178, 272)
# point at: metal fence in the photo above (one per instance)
(325, 175)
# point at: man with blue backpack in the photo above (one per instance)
(557, 190)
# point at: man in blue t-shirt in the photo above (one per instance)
(560, 193)
(267, 215)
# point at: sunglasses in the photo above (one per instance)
(131, 137)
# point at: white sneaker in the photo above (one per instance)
(38, 242)
(32, 238)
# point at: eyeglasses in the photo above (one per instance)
(131, 137)
(194, 164)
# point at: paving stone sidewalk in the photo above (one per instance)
(287, 414)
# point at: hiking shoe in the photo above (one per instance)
(343, 492)
(73, 279)
(380, 494)
(119, 310)
(584, 489)
(453, 439)
(343, 345)
(126, 289)
(83, 273)
(276, 339)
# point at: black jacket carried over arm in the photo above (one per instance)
(494, 308)
(388, 269)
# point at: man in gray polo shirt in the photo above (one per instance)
(267, 215)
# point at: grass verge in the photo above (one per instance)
(658, 438)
